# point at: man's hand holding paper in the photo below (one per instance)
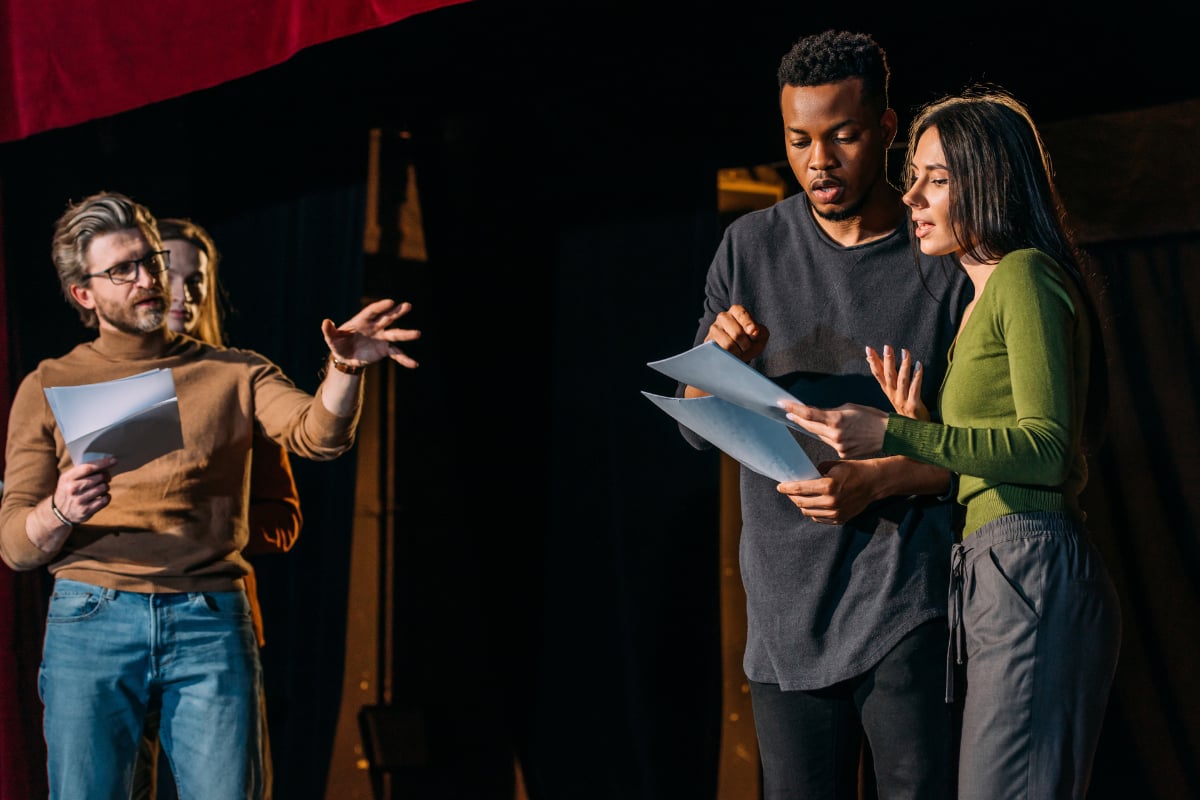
(744, 416)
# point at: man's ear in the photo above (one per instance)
(890, 124)
(83, 296)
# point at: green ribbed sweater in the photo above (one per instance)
(1013, 397)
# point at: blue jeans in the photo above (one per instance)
(108, 654)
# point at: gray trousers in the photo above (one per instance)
(1036, 619)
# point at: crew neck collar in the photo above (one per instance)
(124, 346)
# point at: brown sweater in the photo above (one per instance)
(179, 522)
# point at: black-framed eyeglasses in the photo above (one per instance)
(155, 263)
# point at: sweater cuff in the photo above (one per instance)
(905, 436)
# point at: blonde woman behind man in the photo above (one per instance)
(196, 309)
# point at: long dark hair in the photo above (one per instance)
(1003, 198)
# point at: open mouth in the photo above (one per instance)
(152, 301)
(827, 191)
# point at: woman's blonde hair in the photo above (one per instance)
(210, 324)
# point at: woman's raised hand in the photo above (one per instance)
(901, 383)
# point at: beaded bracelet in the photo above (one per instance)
(59, 514)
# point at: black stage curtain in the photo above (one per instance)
(560, 537)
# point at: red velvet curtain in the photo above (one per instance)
(68, 61)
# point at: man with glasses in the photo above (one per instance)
(149, 601)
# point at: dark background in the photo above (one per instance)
(557, 538)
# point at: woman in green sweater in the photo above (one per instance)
(1034, 614)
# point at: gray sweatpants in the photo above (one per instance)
(1034, 613)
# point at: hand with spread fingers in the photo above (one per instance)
(366, 338)
(901, 383)
(853, 430)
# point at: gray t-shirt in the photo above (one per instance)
(824, 603)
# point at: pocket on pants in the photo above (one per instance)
(1018, 574)
(229, 605)
(72, 601)
(999, 613)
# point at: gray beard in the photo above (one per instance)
(145, 322)
(150, 321)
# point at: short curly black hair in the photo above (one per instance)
(834, 56)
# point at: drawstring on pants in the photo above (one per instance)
(957, 647)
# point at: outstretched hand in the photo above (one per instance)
(366, 338)
(901, 383)
(852, 430)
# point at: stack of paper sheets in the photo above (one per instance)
(135, 419)
(742, 414)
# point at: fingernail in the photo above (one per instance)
(867, 350)
(887, 349)
(904, 353)
(918, 367)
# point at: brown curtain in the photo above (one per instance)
(1143, 503)
(1131, 182)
